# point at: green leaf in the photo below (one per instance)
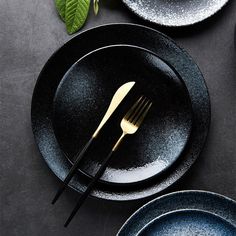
(61, 8)
(76, 14)
(95, 6)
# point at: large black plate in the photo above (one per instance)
(201, 202)
(84, 43)
(83, 96)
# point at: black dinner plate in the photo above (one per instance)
(175, 13)
(184, 211)
(84, 94)
(113, 34)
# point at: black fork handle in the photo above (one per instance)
(85, 194)
(93, 182)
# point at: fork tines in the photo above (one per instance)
(138, 111)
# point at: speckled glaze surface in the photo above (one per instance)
(188, 222)
(184, 212)
(80, 45)
(84, 94)
(175, 12)
(235, 36)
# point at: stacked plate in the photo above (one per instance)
(184, 213)
(73, 92)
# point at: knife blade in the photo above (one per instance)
(116, 100)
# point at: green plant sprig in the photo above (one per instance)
(75, 12)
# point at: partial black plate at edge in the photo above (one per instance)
(85, 42)
(84, 93)
(210, 202)
(188, 222)
(175, 13)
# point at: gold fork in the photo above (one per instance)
(133, 119)
(129, 125)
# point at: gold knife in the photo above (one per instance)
(116, 100)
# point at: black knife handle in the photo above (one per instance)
(85, 194)
(72, 171)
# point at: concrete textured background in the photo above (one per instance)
(30, 31)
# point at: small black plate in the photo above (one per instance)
(84, 94)
(102, 36)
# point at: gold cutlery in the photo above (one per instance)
(129, 125)
(116, 100)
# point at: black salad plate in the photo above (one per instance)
(175, 12)
(184, 213)
(84, 94)
(43, 114)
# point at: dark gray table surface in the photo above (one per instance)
(30, 31)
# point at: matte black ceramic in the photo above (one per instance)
(211, 203)
(235, 36)
(80, 45)
(84, 94)
(188, 222)
(175, 12)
